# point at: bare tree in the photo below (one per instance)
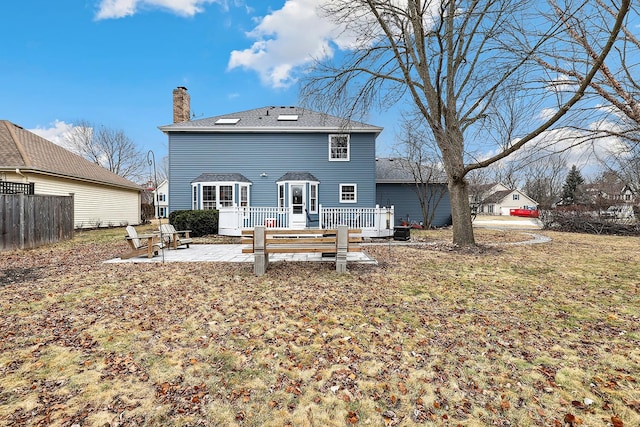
(112, 149)
(470, 68)
(421, 160)
(544, 179)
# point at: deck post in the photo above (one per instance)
(261, 257)
(342, 242)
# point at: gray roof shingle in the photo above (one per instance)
(399, 170)
(21, 149)
(272, 119)
(297, 176)
(221, 177)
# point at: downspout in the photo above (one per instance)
(24, 177)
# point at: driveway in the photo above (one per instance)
(514, 222)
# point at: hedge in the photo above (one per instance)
(201, 223)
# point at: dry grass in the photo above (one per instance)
(530, 335)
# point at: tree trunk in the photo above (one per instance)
(461, 213)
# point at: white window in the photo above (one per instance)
(516, 197)
(313, 198)
(226, 196)
(281, 203)
(339, 148)
(208, 197)
(216, 195)
(244, 195)
(194, 203)
(348, 193)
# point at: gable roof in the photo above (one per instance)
(273, 119)
(399, 171)
(24, 150)
(497, 197)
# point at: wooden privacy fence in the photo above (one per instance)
(28, 221)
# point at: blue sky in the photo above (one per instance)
(116, 62)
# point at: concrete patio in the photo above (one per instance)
(233, 253)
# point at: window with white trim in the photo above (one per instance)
(226, 196)
(244, 195)
(339, 148)
(348, 193)
(281, 202)
(313, 198)
(194, 202)
(516, 197)
(208, 197)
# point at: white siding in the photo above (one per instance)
(94, 204)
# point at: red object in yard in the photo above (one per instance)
(529, 213)
(270, 222)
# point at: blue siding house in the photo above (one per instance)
(278, 166)
(396, 186)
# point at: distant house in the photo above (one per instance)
(400, 184)
(161, 199)
(286, 167)
(496, 199)
(101, 198)
(612, 191)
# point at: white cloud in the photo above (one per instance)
(287, 39)
(56, 133)
(546, 113)
(113, 9)
(562, 83)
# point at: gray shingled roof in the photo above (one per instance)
(297, 176)
(497, 197)
(272, 119)
(221, 177)
(399, 170)
(21, 149)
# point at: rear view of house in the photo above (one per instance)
(286, 162)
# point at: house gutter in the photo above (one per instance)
(229, 129)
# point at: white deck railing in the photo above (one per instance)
(374, 222)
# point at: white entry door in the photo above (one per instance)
(297, 199)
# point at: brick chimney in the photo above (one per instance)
(181, 105)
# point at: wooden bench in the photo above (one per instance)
(264, 241)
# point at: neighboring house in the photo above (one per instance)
(398, 184)
(161, 200)
(101, 198)
(615, 193)
(284, 163)
(496, 199)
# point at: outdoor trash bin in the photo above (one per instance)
(401, 233)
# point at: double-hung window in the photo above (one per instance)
(226, 196)
(313, 198)
(208, 197)
(339, 148)
(244, 195)
(348, 193)
(209, 194)
(281, 201)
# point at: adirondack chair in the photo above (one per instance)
(175, 238)
(141, 244)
